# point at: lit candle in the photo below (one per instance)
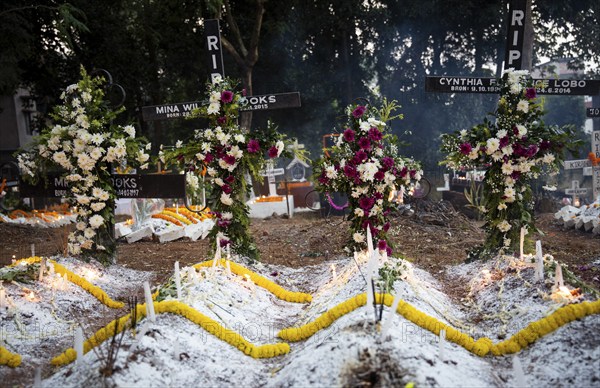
(558, 277)
(177, 280)
(79, 344)
(149, 303)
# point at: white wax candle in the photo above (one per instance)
(442, 345)
(217, 252)
(558, 277)
(228, 268)
(518, 374)
(177, 280)
(539, 261)
(32, 250)
(42, 269)
(334, 274)
(37, 379)
(369, 240)
(149, 303)
(522, 242)
(388, 322)
(79, 343)
(2, 298)
(177, 207)
(228, 251)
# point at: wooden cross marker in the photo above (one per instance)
(514, 59)
(212, 37)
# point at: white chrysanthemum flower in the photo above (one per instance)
(97, 138)
(509, 193)
(101, 194)
(463, 133)
(96, 221)
(129, 130)
(227, 215)
(82, 199)
(213, 108)
(148, 146)
(523, 106)
(364, 126)
(507, 168)
(217, 79)
(208, 133)
(214, 97)
(85, 162)
(492, 145)
(219, 181)
(504, 226)
(502, 206)
(226, 199)
(235, 152)
(240, 138)
(368, 170)
(548, 158)
(89, 233)
(508, 150)
(355, 193)
(358, 237)
(359, 212)
(501, 133)
(71, 88)
(86, 96)
(96, 153)
(375, 123)
(178, 144)
(80, 226)
(474, 154)
(211, 171)
(82, 121)
(200, 156)
(97, 206)
(75, 249)
(330, 172)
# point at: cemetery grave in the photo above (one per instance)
(224, 294)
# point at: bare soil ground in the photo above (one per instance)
(433, 240)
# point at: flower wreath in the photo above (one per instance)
(81, 146)
(365, 165)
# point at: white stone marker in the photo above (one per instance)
(539, 261)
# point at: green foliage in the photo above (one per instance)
(389, 273)
(516, 148)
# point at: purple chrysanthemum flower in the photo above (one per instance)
(349, 135)
(504, 141)
(221, 120)
(360, 156)
(208, 158)
(382, 245)
(530, 93)
(273, 152)
(226, 96)
(230, 179)
(359, 111)
(226, 189)
(375, 134)
(379, 175)
(253, 146)
(465, 148)
(387, 163)
(229, 159)
(545, 144)
(364, 143)
(350, 171)
(366, 203)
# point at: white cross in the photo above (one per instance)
(575, 191)
(270, 172)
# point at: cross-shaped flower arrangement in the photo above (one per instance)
(365, 165)
(223, 155)
(81, 146)
(515, 149)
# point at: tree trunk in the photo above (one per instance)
(246, 117)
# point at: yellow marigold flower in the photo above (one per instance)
(9, 359)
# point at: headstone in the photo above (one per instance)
(271, 172)
(297, 167)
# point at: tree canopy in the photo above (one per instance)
(333, 52)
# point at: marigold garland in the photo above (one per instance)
(7, 358)
(95, 291)
(184, 212)
(167, 218)
(273, 288)
(179, 217)
(174, 307)
(480, 347)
